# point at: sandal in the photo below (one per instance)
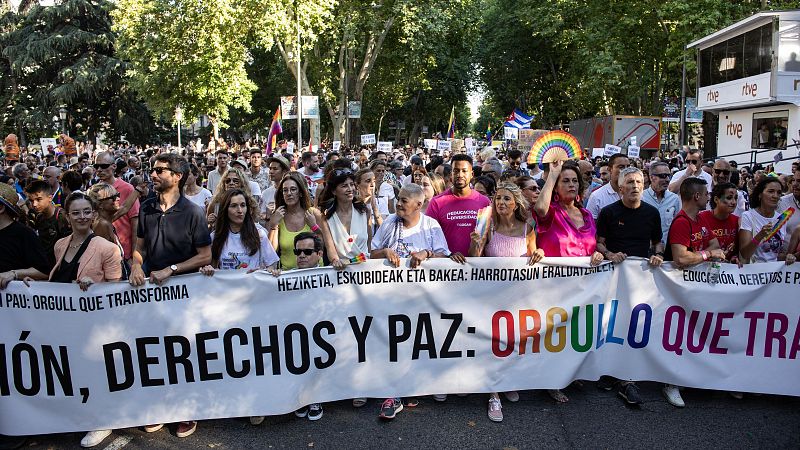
(359, 402)
(558, 396)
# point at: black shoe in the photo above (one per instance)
(606, 382)
(390, 408)
(315, 411)
(302, 412)
(630, 393)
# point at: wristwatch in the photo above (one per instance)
(173, 268)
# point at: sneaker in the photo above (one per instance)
(185, 429)
(411, 402)
(302, 412)
(673, 396)
(512, 396)
(495, 410)
(315, 411)
(358, 402)
(390, 407)
(256, 420)
(153, 428)
(630, 393)
(440, 397)
(93, 438)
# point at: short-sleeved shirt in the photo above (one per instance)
(457, 217)
(600, 198)
(234, 255)
(692, 234)
(171, 236)
(725, 231)
(628, 230)
(786, 202)
(768, 249)
(123, 225)
(261, 178)
(557, 234)
(20, 249)
(668, 208)
(425, 235)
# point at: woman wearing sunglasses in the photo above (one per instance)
(348, 226)
(233, 178)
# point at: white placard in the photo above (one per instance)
(611, 150)
(48, 141)
(599, 151)
(430, 144)
(469, 142)
(288, 107)
(337, 145)
(310, 106)
(633, 140)
(443, 146)
(290, 147)
(384, 146)
(633, 151)
(367, 139)
(510, 133)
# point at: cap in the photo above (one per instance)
(280, 160)
(9, 198)
(239, 162)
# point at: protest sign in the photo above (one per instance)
(290, 147)
(354, 109)
(469, 142)
(384, 146)
(310, 106)
(367, 139)
(510, 133)
(288, 107)
(337, 145)
(612, 150)
(238, 344)
(443, 146)
(598, 152)
(430, 144)
(633, 151)
(48, 142)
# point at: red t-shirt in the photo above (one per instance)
(693, 235)
(724, 231)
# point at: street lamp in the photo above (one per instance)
(179, 118)
(62, 114)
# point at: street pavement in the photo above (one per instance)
(591, 419)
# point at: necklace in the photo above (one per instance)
(79, 244)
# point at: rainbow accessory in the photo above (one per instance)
(482, 222)
(782, 219)
(555, 146)
(274, 130)
(358, 259)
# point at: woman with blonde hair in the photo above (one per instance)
(510, 234)
(233, 178)
(293, 215)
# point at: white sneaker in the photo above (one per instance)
(93, 438)
(440, 397)
(673, 396)
(256, 420)
(495, 409)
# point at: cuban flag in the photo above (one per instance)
(519, 120)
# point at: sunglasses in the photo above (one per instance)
(533, 188)
(692, 161)
(722, 171)
(341, 172)
(160, 170)
(112, 197)
(663, 176)
(233, 181)
(305, 251)
(101, 166)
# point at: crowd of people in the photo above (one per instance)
(149, 214)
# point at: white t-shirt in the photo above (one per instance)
(426, 234)
(385, 194)
(201, 198)
(600, 198)
(703, 174)
(767, 250)
(235, 256)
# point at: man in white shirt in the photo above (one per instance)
(694, 169)
(667, 203)
(792, 200)
(214, 177)
(608, 193)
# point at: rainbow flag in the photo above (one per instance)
(274, 130)
(451, 127)
(489, 133)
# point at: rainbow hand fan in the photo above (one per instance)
(358, 259)
(482, 222)
(782, 219)
(555, 146)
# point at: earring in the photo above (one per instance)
(556, 198)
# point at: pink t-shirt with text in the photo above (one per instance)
(457, 217)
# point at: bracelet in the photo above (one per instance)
(428, 254)
(315, 228)
(704, 255)
(755, 241)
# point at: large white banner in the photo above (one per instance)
(236, 345)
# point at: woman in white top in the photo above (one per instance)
(348, 228)
(193, 191)
(757, 223)
(237, 241)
